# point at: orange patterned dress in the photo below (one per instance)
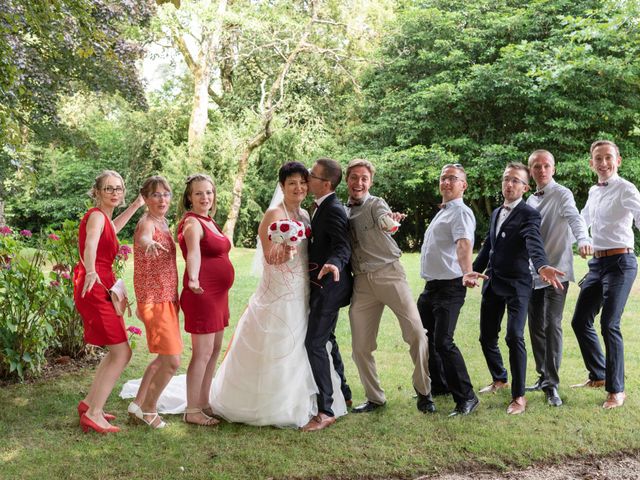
(155, 280)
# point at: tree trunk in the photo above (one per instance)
(2, 222)
(199, 115)
(238, 185)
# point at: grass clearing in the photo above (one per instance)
(41, 438)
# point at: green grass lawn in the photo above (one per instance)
(40, 437)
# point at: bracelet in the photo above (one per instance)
(90, 273)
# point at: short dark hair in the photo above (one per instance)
(519, 166)
(291, 168)
(331, 170)
(600, 143)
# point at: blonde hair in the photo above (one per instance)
(536, 153)
(94, 192)
(361, 162)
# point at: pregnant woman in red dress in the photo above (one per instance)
(205, 295)
(93, 276)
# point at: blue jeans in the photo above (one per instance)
(606, 286)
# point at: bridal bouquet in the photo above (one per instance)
(288, 232)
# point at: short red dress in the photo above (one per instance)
(102, 326)
(208, 312)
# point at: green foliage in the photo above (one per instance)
(25, 328)
(489, 82)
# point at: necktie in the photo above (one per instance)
(602, 184)
(538, 193)
(314, 207)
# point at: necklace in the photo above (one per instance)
(159, 221)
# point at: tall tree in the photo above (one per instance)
(248, 59)
(487, 82)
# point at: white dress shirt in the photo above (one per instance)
(561, 223)
(438, 258)
(610, 211)
(504, 213)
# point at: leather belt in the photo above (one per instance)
(611, 252)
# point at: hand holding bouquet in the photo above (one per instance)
(288, 233)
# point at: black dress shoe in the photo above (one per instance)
(553, 398)
(425, 403)
(366, 407)
(466, 407)
(535, 387)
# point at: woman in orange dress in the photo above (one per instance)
(205, 294)
(92, 277)
(155, 280)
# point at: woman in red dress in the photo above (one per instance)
(205, 295)
(93, 276)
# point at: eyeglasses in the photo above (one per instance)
(110, 190)
(513, 180)
(158, 195)
(449, 178)
(312, 175)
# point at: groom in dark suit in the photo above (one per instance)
(514, 238)
(331, 282)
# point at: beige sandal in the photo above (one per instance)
(208, 421)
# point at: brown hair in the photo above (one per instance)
(331, 170)
(197, 177)
(99, 182)
(361, 162)
(519, 166)
(151, 184)
(599, 143)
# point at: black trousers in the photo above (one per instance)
(439, 306)
(322, 325)
(491, 312)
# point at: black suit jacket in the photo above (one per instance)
(505, 256)
(330, 244)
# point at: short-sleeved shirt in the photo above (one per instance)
(371, 247)
(438, 258)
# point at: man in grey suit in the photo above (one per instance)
(561, 223)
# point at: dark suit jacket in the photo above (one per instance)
(330, 244)
(505, 256)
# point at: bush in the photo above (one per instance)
(25, 330)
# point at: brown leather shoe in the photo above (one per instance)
(320, 421)
(517, 406)
(494, 387)
(589, 384)
(614, 400)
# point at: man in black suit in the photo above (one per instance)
(514, 238)
(331, 282)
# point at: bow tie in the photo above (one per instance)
(538, 193)
(354, 203)
(602, 184)
(508, 209)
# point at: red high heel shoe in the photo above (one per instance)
(86, 424)
(83, 408)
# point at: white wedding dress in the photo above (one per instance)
(265, 377)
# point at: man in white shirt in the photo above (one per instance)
(561, 222)
(445, 264)
(611, 209)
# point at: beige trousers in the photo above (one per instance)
(371, 292)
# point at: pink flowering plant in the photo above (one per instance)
(133, 331)
(121, 260)
(38, 315)
(25, 324)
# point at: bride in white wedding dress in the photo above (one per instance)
(265, 377)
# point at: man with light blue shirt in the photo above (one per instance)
(613, 206)
(445, 264)
(561, 223)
